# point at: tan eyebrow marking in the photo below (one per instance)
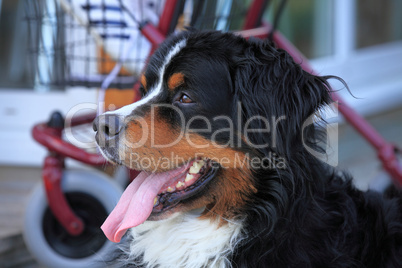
(175, 80)
(144, 82)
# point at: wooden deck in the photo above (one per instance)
(16, 183)
(13, 253)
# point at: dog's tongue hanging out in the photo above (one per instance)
(137, 201)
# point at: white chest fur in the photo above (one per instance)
(184, 241)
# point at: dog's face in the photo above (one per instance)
(213, 103)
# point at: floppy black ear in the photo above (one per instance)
(268, 83)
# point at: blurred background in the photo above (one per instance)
(358, 40)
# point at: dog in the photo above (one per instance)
(220, 138)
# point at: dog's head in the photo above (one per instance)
(216, 111)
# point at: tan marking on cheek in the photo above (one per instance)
(175, 80)
(226, 197)
(144, 82)
(143, 137)
(231, 190)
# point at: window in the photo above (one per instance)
(308, 24)
(378, 22)
(15, 71)
(326, 27)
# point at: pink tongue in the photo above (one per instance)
(136, 203)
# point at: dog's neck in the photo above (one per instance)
(184, 240)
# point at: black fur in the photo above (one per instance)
(304, 215)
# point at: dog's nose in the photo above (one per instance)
(108, 125)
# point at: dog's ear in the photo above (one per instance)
(268, 83)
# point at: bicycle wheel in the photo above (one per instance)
(92, 197)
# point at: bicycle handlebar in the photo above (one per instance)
(51, 139)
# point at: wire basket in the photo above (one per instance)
(78, 42)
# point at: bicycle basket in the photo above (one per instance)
(78, 42)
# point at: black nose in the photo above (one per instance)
(108, 125)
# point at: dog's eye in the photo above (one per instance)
(185, 99)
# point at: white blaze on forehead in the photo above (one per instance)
(156, 90)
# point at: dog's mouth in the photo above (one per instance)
(185, 185)
(152, 194)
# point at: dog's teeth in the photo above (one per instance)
(156, 201)
(189, 177)
(196, 166)
(179, 184)
(193, 170)
(170, 189)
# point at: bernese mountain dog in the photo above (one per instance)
(227, 175)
